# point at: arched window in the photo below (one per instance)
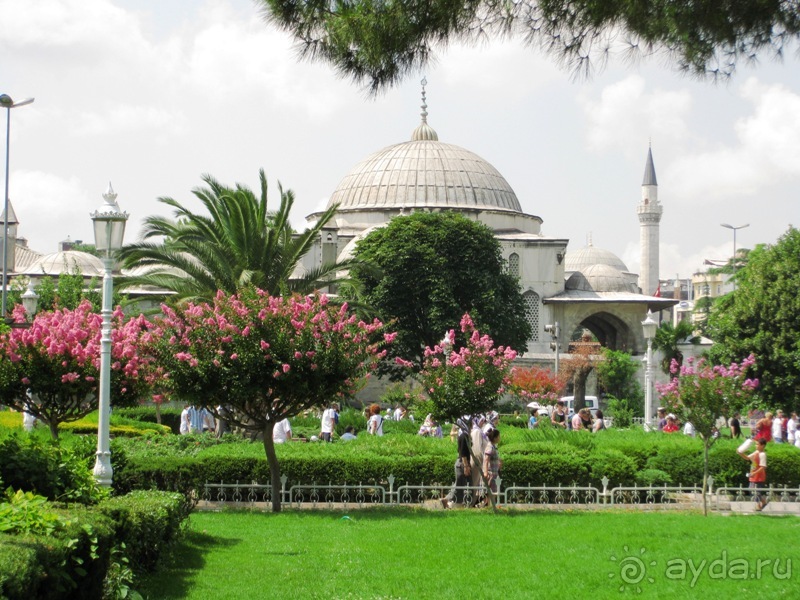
(532, 304)
(513, 264)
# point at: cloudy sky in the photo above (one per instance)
(151, 95)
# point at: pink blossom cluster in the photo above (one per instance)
(251, 337)
(700, 388)
(469, 378)
(66, 344)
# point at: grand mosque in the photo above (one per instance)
(587, 288)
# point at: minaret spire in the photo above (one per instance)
(649, 211)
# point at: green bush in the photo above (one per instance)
(170, 416)
(684, 464)
(147, 523)
(46, 468)
(654, 477)
(70, 562)
(531, 457)
(620, 469)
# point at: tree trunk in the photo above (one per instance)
(274, 467)
(53, 425)
(158, 413)
(705, 475)
(579, 389)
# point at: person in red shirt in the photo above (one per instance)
(764, 428)
(758, 472)
(672, 424)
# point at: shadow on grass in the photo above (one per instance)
(174, 579)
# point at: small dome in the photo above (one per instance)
(68, 261)
(600, 278)
(580, 260)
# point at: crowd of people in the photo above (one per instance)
(478, 464)
(581, 420)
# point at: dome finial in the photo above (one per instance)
(424, 106)
(589, 239)
(424, 132)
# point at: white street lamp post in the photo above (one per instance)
(109, 229)
(734, 229)
(649, 327)
(30, 300)
(7, 103)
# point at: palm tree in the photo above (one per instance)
(238, 243)
(667, 339)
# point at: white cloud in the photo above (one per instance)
(46, 203)
(626, 112)
(765, 152)
(122, 119)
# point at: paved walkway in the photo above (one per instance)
(725, 508)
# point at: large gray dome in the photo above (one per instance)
(424, 173)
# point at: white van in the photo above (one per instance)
(591, 403)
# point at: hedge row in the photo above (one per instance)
(531, 463)
(73, 562)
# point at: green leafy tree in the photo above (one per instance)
(425, 270)
(617, 375)
(267, 358)
(668, 339)
(763, 318)
(66, 291)
(379, 42)
(238, 243)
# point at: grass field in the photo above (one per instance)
(414, 554)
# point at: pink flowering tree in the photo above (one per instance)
(51, 370)
(700, 393)
(265, 358)
(467, 379)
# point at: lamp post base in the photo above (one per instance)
(103, 472)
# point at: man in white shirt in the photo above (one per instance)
(282, 432)
(777, 427)
(329, 418)
(791, 429)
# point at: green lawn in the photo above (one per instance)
(406, 553)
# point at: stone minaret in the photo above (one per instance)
(649, 211)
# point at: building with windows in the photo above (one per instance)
(587, 288)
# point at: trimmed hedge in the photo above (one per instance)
(73, 562)
(548, 457)
(70, 563)
(148, 523)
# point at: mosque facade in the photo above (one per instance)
(586, 288)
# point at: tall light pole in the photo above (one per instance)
(734, 229)
(109, 229)
(7, 103)
(649, 327)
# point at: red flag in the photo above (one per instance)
(658, 291)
